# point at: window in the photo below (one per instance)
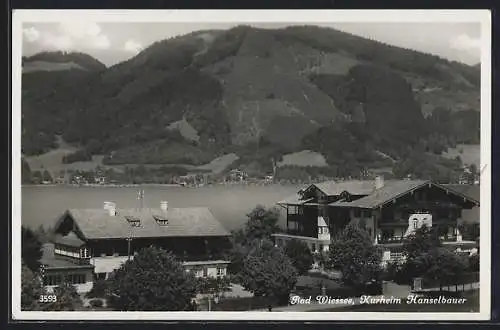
(205, 272)
(75, 278)
(100, 276)
(133, 221)
(161, 220)
(321, 247)
(221, 271)
(292, 210)
(52, 280)
(85, 253)
(415, 223)
(313, 247)
(199, 273)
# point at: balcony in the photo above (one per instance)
(391, 240)
(400, 239)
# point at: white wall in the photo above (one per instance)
(421, 219)
(323, 233)
(108, 264)
(80, 288)
(211, 270)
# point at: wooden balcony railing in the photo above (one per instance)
(400, 239)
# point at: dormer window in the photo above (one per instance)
(133, 221)
(162, 221)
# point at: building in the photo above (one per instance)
(389, 210)
(91, 243)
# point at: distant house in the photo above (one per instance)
(389, 210)
(237, 175)
(100, 179)
(98, 241)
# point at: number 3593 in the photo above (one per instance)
(48, 298)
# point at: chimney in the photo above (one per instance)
(111, 207)
(379, 182)
(164, 206)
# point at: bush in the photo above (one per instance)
(98, 289)
(474, 263)
(96, 303)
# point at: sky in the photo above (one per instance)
(113, 42)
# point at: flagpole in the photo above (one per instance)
(140, 197)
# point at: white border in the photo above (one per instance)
(256, 16)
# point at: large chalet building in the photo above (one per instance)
(389, 210)
(91, 243)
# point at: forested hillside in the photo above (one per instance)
(257, 93)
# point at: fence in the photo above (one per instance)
(468, 281)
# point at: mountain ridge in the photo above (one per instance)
(245, 89)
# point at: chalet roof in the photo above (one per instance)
(470, 190)
(182, 222)
(390, 190)
(294, 200)
(70, 240)
(353, 187)
(471, 216)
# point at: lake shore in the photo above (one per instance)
(170, 185)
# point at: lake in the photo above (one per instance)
(229, 204)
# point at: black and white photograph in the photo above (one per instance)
(251, 165)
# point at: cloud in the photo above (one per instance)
(70, 35)
(132, 46)
(31, 34)
(464, 42)
(57, 42)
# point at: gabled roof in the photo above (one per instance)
(390, 190)
(353, 187)
(294, 200)
(182, 222)
(393, 189)
(69, 240)
(470, 190)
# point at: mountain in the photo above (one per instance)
(256, 93)
(61, 61)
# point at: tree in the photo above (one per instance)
(25, 172)
(300, 255)
(36, 177)
(68, 298)
(47, 176)
(153, 281)
(214, 287)
(262, 223)
(31, 249)
(31, 289)
(354, 254)
(420, 241)
(267, 271)
(442, 266)
(43, 235)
